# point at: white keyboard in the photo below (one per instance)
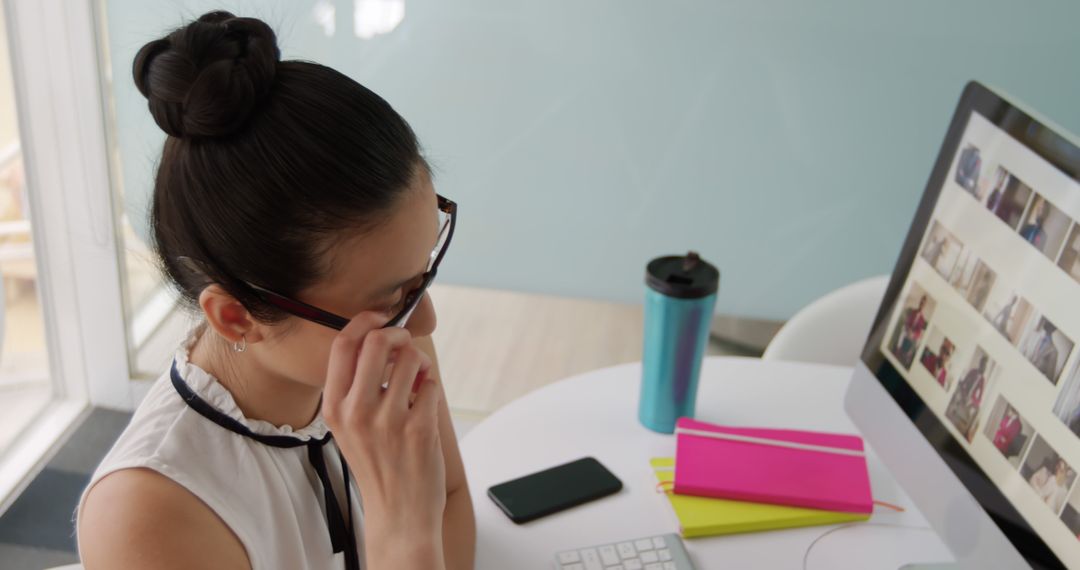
(663, 552)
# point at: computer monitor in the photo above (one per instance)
(968, 388)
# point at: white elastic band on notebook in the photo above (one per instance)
(772, 442)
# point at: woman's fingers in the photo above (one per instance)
(426, 405)
(377, 349)
(410, 362)
(341, 368)
(362, 357)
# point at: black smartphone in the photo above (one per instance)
(552, 490)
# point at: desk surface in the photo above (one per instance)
(596, 414)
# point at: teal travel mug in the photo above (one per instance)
(679, 301)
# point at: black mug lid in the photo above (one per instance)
(683, 277)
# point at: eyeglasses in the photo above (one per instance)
(447, 221)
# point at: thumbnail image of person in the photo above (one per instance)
(1033, 230)
(1008, 313)
(1048, 474)
(1046, 227)
(1051, 482)
(938, 364)
(941, 249)
(1072, 421)
(997, 182)
(963, 408)
(974, 280)
(1008, 204)
(967, 168)
(934, 250)
(1044, 354)
(1070, 255)
(1047, 348)
(1002, 318)
(1001, 183)
(1008, 430)
(981, 289)
(909, 330)
(960, 270)
(1067, 405)
(1070, 515)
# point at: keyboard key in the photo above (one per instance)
(591, 559)
(608, 555)
(664, 552)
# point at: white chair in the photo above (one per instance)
(832, 329)
(68, 567)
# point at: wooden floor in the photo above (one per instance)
(495, 346)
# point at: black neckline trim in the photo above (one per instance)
(342, 534)
(215, 415)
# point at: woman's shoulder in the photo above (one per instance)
(158, 418)
(146, 502)
(139, 518)
(170, 439)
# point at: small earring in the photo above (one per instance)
(240, 346)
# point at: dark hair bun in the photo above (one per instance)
(207, 78)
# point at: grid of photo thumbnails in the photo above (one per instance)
(1032, 332)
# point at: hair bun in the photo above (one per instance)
(206, 79)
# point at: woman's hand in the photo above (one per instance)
(392, 446)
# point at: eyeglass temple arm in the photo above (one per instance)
(302, 309)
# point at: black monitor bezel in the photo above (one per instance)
(1062, 154)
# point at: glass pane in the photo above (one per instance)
(154, 326)
(24, 368)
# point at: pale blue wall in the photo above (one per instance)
(787, 141)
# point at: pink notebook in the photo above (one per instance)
(784, 467)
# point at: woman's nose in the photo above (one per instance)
(422, 322)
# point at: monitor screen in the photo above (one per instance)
(977, 337)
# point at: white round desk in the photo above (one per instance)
(595, 414)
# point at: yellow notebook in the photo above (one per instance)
(704, 516)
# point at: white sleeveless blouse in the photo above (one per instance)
(269, 494)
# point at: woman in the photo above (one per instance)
(1033, 231)
(1008, 430)
(286, 196)
(966, 401)
(1001, 321)
(942, 375)
(914, 323)
(1052, 486)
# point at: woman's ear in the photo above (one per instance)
(227, 316)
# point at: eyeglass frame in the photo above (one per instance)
(323, 317)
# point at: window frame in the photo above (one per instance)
(58, 91)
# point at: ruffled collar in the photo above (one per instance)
(203, 393)
(209, 389)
